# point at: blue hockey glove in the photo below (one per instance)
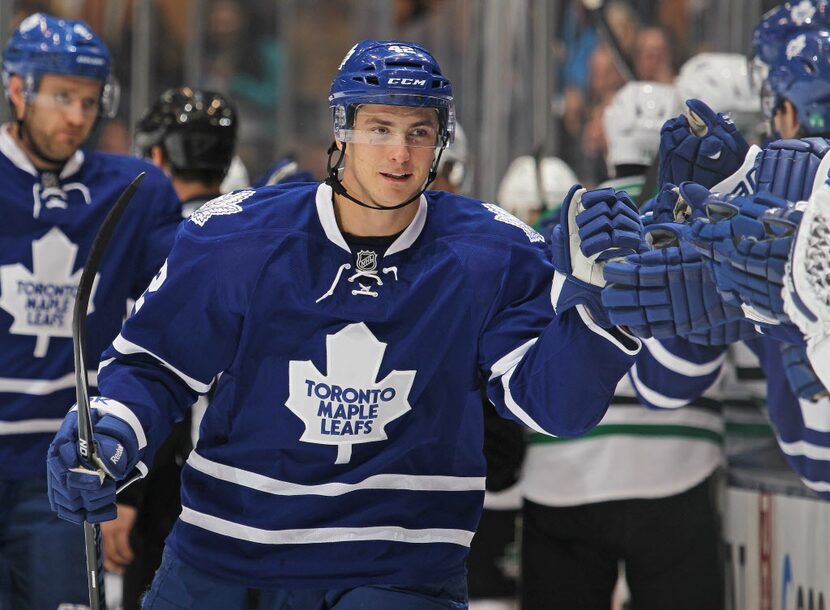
(669, 292)
(755, 269)
(82, 492)
(702, 146)
(679, 204)
(800, 374)
(595, 226)
(738, 235)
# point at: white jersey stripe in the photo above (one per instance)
(679, 365)
(126, 347)
(43, 387)
(277, 487)
(324, 535)
(30, 426)
(504, 368)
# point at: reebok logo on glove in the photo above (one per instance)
(119, 451)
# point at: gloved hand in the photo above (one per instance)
(754, 269)
(595, 227)
(669, 292)
(730, 237)
(79, 491)
(702, 146)
(800, 375)
(679, 204)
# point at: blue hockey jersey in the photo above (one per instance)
(344, 442)
(49, 223)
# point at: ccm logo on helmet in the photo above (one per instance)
(407, 81)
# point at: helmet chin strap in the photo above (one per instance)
(334, 181)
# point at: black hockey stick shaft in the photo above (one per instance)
(86, 447)
(596, 12)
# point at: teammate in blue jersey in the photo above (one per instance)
(54, 197)
(742, 273)
(340, 461)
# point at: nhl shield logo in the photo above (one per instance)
(367, 260)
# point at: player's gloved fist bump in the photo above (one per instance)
(703, 146)
(79, 491)
(680, 204)
(595, 226)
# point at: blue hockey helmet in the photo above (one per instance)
(801, 74)
(778, 25)
(43, 44)
(393, 73)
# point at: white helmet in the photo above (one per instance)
(456, 154)
(633, 119)
(722, 82)
(519, 188)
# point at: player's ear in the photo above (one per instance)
(16, 95)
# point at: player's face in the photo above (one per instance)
(392, 162)
(60, 116)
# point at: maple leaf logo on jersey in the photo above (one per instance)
(802, 11)
(348, 405)
(796, 46)
(42, 301)
(221, 206)
(508, 218)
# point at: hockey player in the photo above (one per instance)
(340, 460)
(646, 488)
(789, 170)
(191, 135)
(55, 195)
(533, 188)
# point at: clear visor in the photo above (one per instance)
(416, 123)
(758, 73)
(106, 104)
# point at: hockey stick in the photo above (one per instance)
(595, 11)
(86, 446)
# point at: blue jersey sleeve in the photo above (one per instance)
(157, 376)
(554, 374)
(671, 373)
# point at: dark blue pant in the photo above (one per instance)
(42, 559)
(177, 585)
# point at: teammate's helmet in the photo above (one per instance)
(801, 74)
(393, 73)
(43, 44)
(519, 191)
(633, 119)
(781, 23)
(196, 129)
(722, 82)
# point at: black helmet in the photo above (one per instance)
(196, 129)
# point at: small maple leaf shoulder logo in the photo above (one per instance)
(221, 206)
(508, 218)
(348, 405)
(42, 300)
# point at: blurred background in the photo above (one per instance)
(530, 76)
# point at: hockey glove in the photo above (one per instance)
(595, 226)
(79, 491)
(679, 204)
(800, 375)
(754, 269)
(701, 145)
(807, 292)
(669, 292)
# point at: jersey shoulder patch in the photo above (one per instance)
(221, 206)
(501, 215)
